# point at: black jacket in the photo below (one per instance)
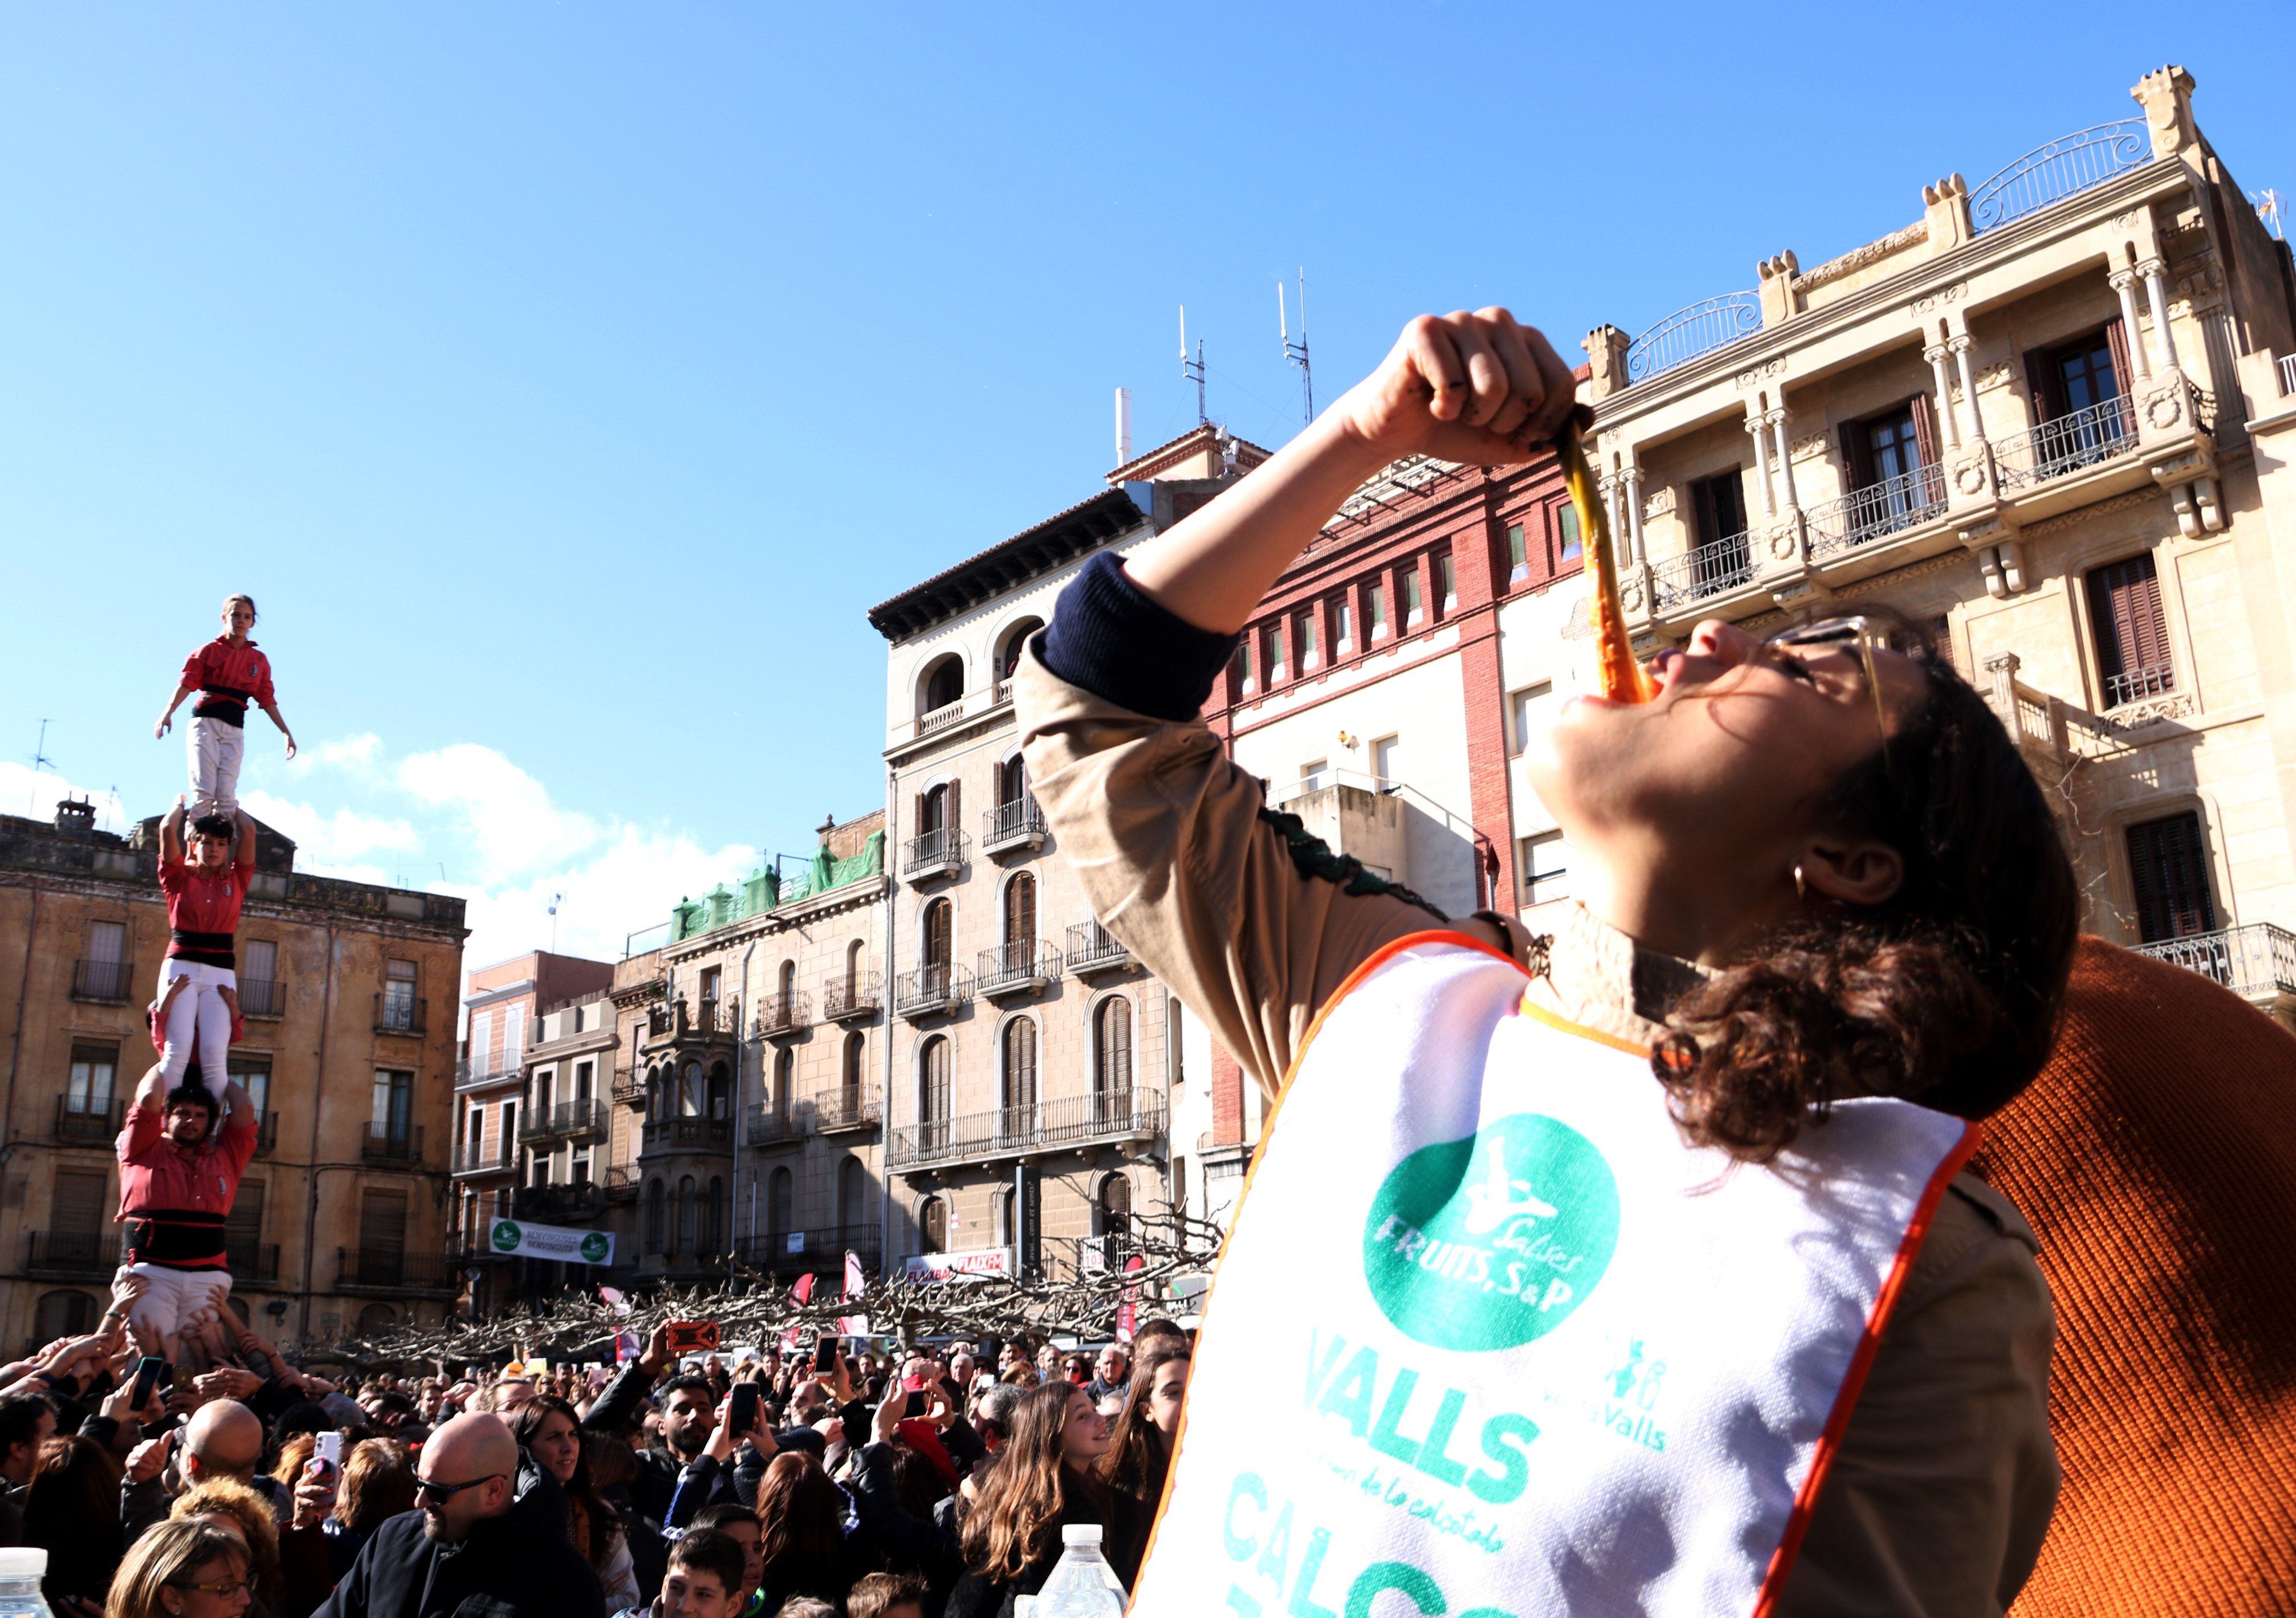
(519, 1564)
(658, 1470)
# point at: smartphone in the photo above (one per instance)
(914, 1405)
(692, 1337)
(147, 1377)
(824, 1356)
(742, 1415)
(179, 1377)
(328, 1446)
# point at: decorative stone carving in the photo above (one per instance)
(1858, 257)
(1810, 448)
(1606, 360)
(1781, 544)
(1945, 213)
(1754, 377)
(2166, 95)
(2136, 716)
(1658, 502)
(1971, 477)
(1942, 298)
(1994, 376)
(2164, 409)
(1775, 278)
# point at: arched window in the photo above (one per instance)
(850, 1074)
(855, 964)
(1011, 780)
(1021, 918)
(1015, 641)
(689, 1095)
(713, 1216)
(942, 684)
(779, 1190)
(1000, 1216)
(64, 1314)
(376, 1319)
(934, 935)
(789, 987)
(687, 1214)
(721, 1092)
(852, 1199)
(1115, 1215)
(656, 1228)
(932, 1094)
(932, 1226)
(1020, 1078)
(657, 1101)
(1112, 1074)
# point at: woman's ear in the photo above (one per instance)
(1866, 871)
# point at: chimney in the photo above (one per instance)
(76, 819)
(1123, 426)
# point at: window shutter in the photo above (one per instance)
(2130, 624)
(1925, 437)
(242, 1227)
(79, 1204)
(956, 819)
(2168, 869)
(2041, 383)
(1710, 521)
(2116, 336)
(1857, 455)
(382, 1220)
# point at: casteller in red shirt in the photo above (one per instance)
(228, 674)
(158, 1176)
(202, 910)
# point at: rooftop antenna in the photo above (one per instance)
(2272, 208)
(40, 761)
(1296, 352)
(555, 898)
(1192, 370)
(1123, 459)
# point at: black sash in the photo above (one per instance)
(202, 948)
(222, 703)
(175, 1238)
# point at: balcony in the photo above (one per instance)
(840, 1112)
(933, 854)
(931, 992)
(782, 1016)
(385, 1145)
(1684, 335)
(686, 1134)
(1018, 968)
(846, 1000)
(369, 1269)
(105, 982)
(476, 1157)
(2062, 169)
(621, 1183)
(75, 1255)
(792, 1253)
(1875, 512)
(466, 1079)
(773, 1128)
(1073, 1121)
(2257, 962)
(585, 1201)
(630, 1091)
(252, 1263)
(398, 1014)
(1092, 950)
(262, 997)
(941, 717)
(2088, 436)
(568, 1121)
(1010, 827)
(2135, 685)
(1710, 569)
(89, 1125)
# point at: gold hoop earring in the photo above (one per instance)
(1801, 889)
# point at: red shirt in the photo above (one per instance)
(203, 903)
(154, 1175)
(232, 673)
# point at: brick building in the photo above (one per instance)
(348, 1055)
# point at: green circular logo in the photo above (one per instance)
(505, 1236)
(594, 1248)
(1492, 1240)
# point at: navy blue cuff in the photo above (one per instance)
(1125, 649)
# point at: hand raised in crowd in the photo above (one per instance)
(722, 1438)
(655, 1359)
(146, 1458)
(227, 1382)
(1473, 386)
(127, 1287)
(315, 1495)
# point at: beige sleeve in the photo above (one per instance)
(1164, 832)
(1943, 1487)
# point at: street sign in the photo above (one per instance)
(564, 1243)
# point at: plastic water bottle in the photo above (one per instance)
(21, 1573)
(1082, 1585)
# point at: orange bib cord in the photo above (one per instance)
(1620, 677)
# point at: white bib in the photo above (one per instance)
(1487, 1340)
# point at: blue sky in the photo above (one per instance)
(566, 381)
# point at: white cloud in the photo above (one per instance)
(627, 885)
(506, 814)
(347, 752)
(34, 794)
(331, 840)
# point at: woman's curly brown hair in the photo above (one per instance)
(1947, 994)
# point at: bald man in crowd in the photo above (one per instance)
(223, 1439)
(489, 1529)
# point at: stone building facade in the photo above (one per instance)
(348, 1053)
(1032, 1066)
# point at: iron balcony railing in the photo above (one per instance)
(1686, 333)
(581, 1201)
(629, 1090)
(89, 1123)
(928, 990)
(381, 1143)
(476, 1157)
(467, 1079)
(792, 1253)
(772, 1127)
(262, 997)
(2063, 168)
(252, 1263)
(717, 1016)
(2093, 434)
(621, 1183)
(842, 1109)
(1876, 511)
(2287, 374)
(1017, 968)
(1092, 950)
(1071, 1120)
(1710, 570)
(2256, 960)
(108, 982)
(861, 995)
(784, 1014)
(672, 1134)
(567, 1118)
(391, 1269)
(2134, 685)
(72, 1252)
(933, 854)
(1011, 824)
(397, 1013)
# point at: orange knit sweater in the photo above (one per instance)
(2156, 1159)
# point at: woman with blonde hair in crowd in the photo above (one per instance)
(1047, 1478)
(181, 1569)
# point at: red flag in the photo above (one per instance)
(855, 1284)
(1128, 1311)
(801, 1294)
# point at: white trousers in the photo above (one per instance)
(215, 747)
(199, 1007)
(173, 1294)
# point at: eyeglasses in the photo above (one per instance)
(1833, 634)
(222, 1590)
(441, 1491)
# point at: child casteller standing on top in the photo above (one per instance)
(228, 673)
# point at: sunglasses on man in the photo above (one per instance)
(441, 1492)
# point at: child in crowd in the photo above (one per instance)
(205, 882)
(887, 1596)
(705, 1570)
(228, 673)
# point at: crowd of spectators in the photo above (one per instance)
(811, 1484)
